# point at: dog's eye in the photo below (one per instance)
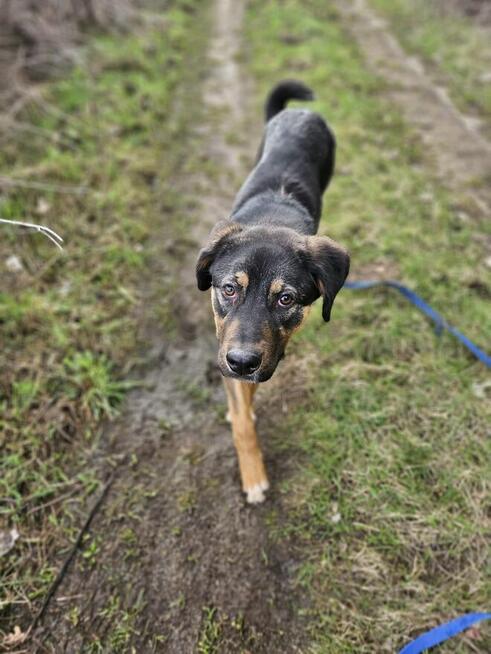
(229, 290)
(285, 300)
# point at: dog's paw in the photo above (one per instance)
(255, 494)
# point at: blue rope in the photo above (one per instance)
(443, 632)
(418, 302)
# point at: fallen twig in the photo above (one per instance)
(49, 233)
(71, 554)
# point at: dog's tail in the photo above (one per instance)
(289, 89)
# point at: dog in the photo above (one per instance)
(265, 265)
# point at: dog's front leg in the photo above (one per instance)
(253, 474)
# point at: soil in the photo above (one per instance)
(181, 560)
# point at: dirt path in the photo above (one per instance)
(177, 562)
(455, 141)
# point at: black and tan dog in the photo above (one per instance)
(266, 266)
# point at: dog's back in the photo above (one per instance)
(294, 165)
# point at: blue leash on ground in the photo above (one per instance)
(443, 632)
(418, 302)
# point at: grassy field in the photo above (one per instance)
(104, 144)
(389, 495)
(456, 51)
(391, 499)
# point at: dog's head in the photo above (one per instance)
(263, 281)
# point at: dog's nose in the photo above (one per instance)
(243, 362)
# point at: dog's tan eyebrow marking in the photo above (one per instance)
(276, 286)
(242, 278)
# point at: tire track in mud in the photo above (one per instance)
(455, 141)
(179, 557)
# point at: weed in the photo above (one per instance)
(122, 627)
(91, 551)
(187, 501)
(209, 639)
(89, 380)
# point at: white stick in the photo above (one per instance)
(49, 233)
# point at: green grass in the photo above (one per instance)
(221, 632)
(456, 50)
(391, 498)
(209, 640)
(69, 322)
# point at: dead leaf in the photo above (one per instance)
(14, 264)
(42, 207)
(473, 633)
(481, 389)
(7, 540)
(16, 638)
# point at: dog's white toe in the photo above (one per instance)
(255, 495)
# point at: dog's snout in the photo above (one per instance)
(243, 362)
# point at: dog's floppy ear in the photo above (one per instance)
(220, 233)
(329, 266)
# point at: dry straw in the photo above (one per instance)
(49, 233)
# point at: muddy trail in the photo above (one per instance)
(456, 143)
(180, 562)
